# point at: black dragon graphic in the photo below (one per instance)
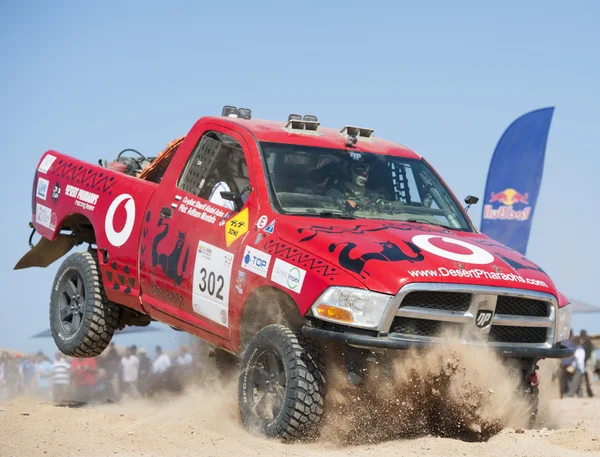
(390, 252)
(170, 263)
(361, 230)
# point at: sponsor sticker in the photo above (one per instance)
(475, 273)
(240, 281)
(43, 215)
(287, 275)
(262, 222)
(256, 261)
(42, 188)
(271, 227)
(46, 163)
(198, 209)
(83, 198)
(236, 227)
(477, 256)
(118, 239)
(56, 190)
(211, 283)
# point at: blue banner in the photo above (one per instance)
(514, 180)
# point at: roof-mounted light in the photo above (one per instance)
(358, 132)
(245, 113)
(302, 125)
(310, 118)
(294, 117)
(229, 111)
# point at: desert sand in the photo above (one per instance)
(204, 422)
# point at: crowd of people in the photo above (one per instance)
(107, 377)
(131, 373)
(578, 373)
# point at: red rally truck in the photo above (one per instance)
(273, 240)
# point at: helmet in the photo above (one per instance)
(360, 173)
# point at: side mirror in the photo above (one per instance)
(233, 197)
(470, 200)
(236, 198)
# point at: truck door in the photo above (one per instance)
(191, 245)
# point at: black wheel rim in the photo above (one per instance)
(267, 385)
(71, 303)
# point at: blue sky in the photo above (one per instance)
(444, 78)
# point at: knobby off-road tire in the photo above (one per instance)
(281, 387)
(82, 319)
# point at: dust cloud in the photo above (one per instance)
(448, 391)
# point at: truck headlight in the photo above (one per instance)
(354, 307)
(563, 322)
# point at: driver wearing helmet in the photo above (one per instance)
(356, 185)
(232, 175)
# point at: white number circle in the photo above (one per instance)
(262, 222)
(478, 256)
(115, 238)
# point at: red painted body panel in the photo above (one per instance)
(76, 186)
(155, 262)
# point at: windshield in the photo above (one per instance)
(324, 182)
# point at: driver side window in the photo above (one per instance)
(216, 165)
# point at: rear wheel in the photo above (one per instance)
(281, 387)
(82, 319)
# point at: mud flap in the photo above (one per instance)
(45, 252)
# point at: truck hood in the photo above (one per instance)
(385, 256)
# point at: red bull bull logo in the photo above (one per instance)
(507, 198)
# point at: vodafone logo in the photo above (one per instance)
(478, 256)
(119, 238)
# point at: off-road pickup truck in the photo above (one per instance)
(271, 240)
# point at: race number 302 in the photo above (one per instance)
(212, 279)
(212, 283)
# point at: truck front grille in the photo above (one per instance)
(422, 327)
(503, 334)
(518, 306)
(449, 301)
(518, 317)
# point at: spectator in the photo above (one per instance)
(185, 357)
(27, 376)
(112, 365)
(565, 368)
(9, 376)
(60, 378)
(577, 369)
(590, 362)
(43, 373)
(161, 362)
(184, 367)
(131, 368)
(145, 368)
(84, 377)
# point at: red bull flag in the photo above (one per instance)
(514, 180)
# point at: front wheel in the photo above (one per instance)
(281, 387)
